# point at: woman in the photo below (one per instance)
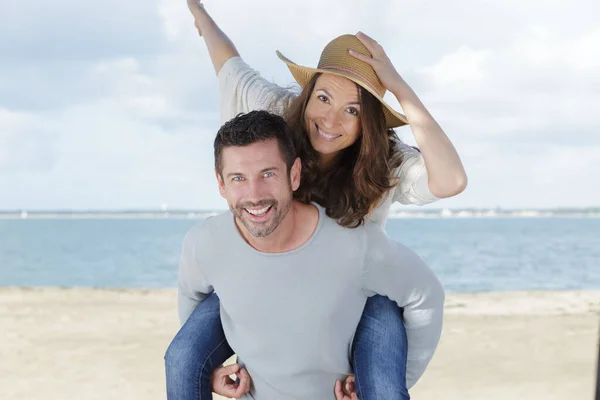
(354, 166)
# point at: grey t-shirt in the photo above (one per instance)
(291, 317)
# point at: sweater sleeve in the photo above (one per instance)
(413, 185)
(193, 286)
(395, 271)
(242, 90)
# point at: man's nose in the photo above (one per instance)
(256, 190)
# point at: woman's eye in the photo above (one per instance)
(353, 111)
(324, 99)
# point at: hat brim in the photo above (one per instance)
(303, 75)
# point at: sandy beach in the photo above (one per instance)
(109, 344)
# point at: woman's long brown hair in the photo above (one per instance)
(360, 176)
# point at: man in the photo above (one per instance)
(292, 282)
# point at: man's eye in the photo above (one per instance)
(268, 174)
(237, 179)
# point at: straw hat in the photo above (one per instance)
(336, 60)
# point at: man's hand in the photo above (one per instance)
(347, 390)
(223, 385)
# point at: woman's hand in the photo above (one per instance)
(197, 9)
(389, 77)
(446, 174)
(220, 47)
(346, 390)
(223, 385)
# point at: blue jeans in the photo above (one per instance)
(378, 353)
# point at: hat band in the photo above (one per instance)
(351, 72)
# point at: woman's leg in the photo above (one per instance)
(379, 352)
(196, 351)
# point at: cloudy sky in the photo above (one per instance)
(113, 105)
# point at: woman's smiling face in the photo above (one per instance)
(332, 115)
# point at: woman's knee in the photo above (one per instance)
(199, 336)
(382, 307)
(381, 313)
(178, 355)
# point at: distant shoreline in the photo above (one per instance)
(405, 214)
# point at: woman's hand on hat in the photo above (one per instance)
(389, 77)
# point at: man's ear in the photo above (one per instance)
(221, 184)
(296, 174)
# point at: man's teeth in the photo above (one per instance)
(259, 212)
(326, 136)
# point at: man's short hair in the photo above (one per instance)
(253, 127)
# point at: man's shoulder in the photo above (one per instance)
(370, 234)
(379, 244)
(204, 232)
(357, 234)
(372, 228)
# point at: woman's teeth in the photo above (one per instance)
(327, 136)
(258, 212)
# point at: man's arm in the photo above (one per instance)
(395, 271)
(193, 286)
